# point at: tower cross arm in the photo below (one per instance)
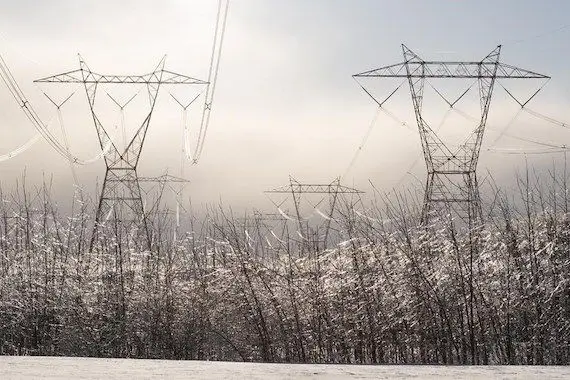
(170, 77)
(392, 71)
(164, 179)
(167, 77)
(508, 71)
(451, 69)
(314, 189)
(73, 76)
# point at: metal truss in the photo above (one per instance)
(261, 218)
(164, 179)
(84, 75)
(452, 178)
(257, 228)
(268, 216)
(167, 181)
(333, 190)
(121, 202)
(163, 182)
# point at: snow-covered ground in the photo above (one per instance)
(129, 369)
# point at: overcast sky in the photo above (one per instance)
(286, 103)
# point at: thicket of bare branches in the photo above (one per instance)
(390, 292)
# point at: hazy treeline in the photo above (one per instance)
(390, 292)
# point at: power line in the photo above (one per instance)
(362, 143)
(33, 117)
(221, 21)
(525, 152)
(547, 118)
(543, 34)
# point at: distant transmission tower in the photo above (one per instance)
(333, 191)
(121, 202)
(452, 179)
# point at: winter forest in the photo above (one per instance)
(379, 276)
(381, 290)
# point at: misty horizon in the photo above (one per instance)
(286, 104)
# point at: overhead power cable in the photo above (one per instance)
(525, 152)
(32, 115)
(540, 35)
(219, 33)
(503, 132)
(64, 133)
(363, 142)
(21, 149)
(547, 118)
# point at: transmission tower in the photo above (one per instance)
(121, 202)
(167, 181)
(452, 180)
(332, 191)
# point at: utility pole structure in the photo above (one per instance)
(452, 180)
(332, 190)
(260, 223)
(166, 180)
(121, 202)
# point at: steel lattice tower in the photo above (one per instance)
(121, 204)
(452, 178)
(332, 191)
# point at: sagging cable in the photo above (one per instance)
(21, 149)
(221, 21)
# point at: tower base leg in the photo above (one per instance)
(120, 214)
(452, 195)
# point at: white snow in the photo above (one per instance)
(29, 367)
